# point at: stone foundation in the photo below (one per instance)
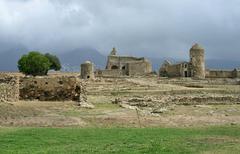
(52, 88)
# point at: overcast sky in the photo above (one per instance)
(156, 28)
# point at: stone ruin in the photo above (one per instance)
(44, 88)
(51, 88)
(122, 66)
(195, 68)
(160, 104)
(119, 66)
(9, 88)
(87, 70)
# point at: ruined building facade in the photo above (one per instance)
(195, 68)
(125, 66)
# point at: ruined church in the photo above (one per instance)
(125, 66)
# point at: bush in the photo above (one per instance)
(34, 63)
(55, 62)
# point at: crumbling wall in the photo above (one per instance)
(128, 66)
(52, 88)
(121, 61)
(110, 73)
(139, 68)
(221, 74)
(173, 70)
(83, 92)
(153, 104)
(9, 88)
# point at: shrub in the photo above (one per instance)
(55, 62)
(34, 63)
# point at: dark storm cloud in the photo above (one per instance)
(162, 28)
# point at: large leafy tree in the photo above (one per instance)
(34, 63)
(55, 62)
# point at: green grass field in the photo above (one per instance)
(120, 140)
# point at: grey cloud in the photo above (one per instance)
(156, 28)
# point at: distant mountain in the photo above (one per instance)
(9, 57)
(71, 60)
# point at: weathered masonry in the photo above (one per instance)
(125, 66)
(195, 68)
(43, 88)
(223, 73)
(50, 88)
(9, 88)
(197, 62)
(87, 70)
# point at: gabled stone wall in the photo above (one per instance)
(126, 66)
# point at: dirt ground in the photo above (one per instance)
(102, 92)
(62, 114)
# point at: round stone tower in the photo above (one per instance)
(87, 70)
(197, 60)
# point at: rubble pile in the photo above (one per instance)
(159, 104)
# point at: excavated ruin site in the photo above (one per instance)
(148, 101)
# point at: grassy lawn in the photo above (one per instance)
(120, 140)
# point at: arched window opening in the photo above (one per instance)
(114, 67)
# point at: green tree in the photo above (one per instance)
(34, 63)
(55, 62)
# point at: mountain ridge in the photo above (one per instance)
(72, 59)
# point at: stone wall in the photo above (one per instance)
(126, 65)
(173, 70)
(194, 68)
(139, 68)
(9, 88)
(182, 69)
(222, 74)
(52, 88)
(110, 73)
(121, 61)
